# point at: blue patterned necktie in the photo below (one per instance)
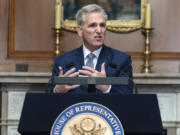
(90, 58)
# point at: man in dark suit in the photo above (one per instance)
(93, 58)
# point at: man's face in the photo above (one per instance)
(93, 30)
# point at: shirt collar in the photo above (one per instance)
(86, 51)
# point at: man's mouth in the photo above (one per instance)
(98, 38)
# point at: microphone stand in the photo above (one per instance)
(91, 88)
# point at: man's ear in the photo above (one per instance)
(79, 30)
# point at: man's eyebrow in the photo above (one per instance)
(103, 24)
(92, 24)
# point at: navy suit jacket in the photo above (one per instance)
(122, 68)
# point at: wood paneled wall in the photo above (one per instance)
(31, 28)
(26, 36)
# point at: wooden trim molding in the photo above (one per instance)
(157, 55)
(165, 55)
(12, 53)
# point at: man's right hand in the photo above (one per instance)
(65, 88)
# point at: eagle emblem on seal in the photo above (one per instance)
(87, 126)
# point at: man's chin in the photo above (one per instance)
(95, 45)
(98, 44)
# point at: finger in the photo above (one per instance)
(103, 67)
(69, 72)
(60, 71)
(66, 88)
(70, 87)
(83, 76)
(75, 86)
(59, 89)
(89, 68)
(85, 72)
(74, 74)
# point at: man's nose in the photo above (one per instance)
(98, 29)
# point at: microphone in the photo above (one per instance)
(113, 65)
(68, 65)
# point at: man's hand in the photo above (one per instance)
(90, 72)
(65, 88)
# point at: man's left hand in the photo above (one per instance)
(90, 72)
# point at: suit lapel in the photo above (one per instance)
(79, 58)
(105, 56)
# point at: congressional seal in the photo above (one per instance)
(87, 118)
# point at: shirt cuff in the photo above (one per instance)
(54, 91)
(108, 90)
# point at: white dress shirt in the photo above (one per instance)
(86, 52)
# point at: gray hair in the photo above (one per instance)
(80, 15)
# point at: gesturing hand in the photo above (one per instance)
(90, 72)
(65, 88)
